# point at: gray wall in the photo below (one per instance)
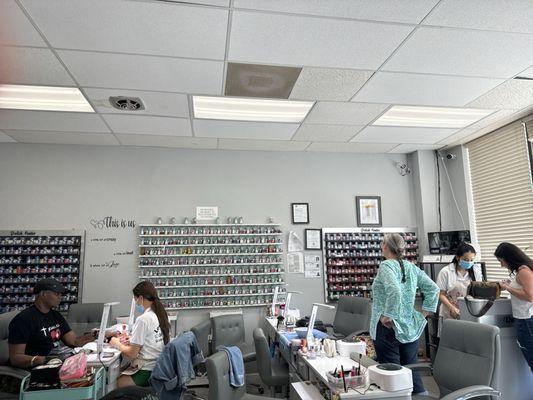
(58, 187)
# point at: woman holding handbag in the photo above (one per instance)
(149, 335)
(453, 281)
(520, 286)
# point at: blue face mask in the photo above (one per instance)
(139, 308)
(466, 264)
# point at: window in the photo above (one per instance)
(500, 173)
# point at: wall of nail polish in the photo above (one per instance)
(352, 257)
(197, 266)
(27, 257)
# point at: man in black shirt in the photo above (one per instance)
(37, 330)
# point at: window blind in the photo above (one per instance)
(502, 193)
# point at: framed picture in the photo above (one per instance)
(368, 210)
(313, 239)
(300, 213)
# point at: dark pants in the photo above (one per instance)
(524, 335)
(390, 350)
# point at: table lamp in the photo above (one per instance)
(313, 318)
(288, 301)
(103, 326)
(275, 299)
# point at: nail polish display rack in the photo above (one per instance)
(352, 257)
(29, 256)
(197, 266)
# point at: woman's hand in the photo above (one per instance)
(454, 312)
(115, 342)
(504, 284)
(386, 322)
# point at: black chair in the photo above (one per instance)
(5, 369)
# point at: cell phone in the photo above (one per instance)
(107, 354)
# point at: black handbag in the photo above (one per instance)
(304, 322)
(482, 290)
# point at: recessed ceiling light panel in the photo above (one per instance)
(432, 117)
(246, 109)
(47, 98)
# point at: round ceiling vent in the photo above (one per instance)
(126, 103)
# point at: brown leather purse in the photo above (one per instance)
(482, 290)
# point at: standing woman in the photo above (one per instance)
(149, 335)
(453, 280)
(520, 286)
(395, 325)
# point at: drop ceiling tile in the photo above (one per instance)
(144, 124)
(31, 66)
(409, 148)
(427, 90)
(325, 112)
(154, 28)
(15, 28)
(393, 134)
(490, 123)
(101, 139)
(156, 103)
(352, 147)
(498, 15)
(408, 11)
(528, 73)
(144, 72)
(51, 121)
(167, 141)
(243, 130)
(320, 42)
(493, 118)
(261, 145)
(463, 52)
(4, 138)
(326, 133)
(513, 94)
(328, 84)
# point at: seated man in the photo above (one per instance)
(39, 329)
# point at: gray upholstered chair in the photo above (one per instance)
(273, 373)
(228, 330)
(219, 386)
(84, 317)
(5, 368)
(352, 317)
(467, 361)
(202, 332)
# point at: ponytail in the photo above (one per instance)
(147, 290)
(396, 244)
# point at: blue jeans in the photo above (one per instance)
(524, 334)
(390, 350)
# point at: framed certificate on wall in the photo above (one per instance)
(300, 213)
(313, 239)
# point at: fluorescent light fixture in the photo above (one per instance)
(48, 98)
(431, 117)
(245, 109)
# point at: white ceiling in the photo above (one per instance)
(358, 58)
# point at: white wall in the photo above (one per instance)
(57, 187)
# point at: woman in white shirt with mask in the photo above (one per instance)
(453, 280)
(149, 335)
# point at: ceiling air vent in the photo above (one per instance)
(126, 103)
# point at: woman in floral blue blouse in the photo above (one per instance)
(395, 325)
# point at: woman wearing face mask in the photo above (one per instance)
(453, 280)
(395, 325)
(520, 286)
(149, 335)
